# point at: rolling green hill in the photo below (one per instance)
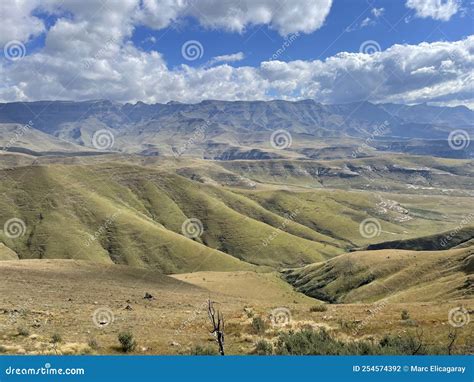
(396, 275)
(133, 213)
(460, 237)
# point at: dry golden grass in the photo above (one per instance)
(61, 296)
(247, 285)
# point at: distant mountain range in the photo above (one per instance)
(241, 129)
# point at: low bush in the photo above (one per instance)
(263, 348)
(56, 338)
(258, 325)
(308, 342)
(93, 344)
(321, 342)
(24, 332)
(203, 350)
(127, 342)
(405, 315)
(318, 308)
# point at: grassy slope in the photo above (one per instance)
(339, 213)
(258, 286)
(137, 215)
(62, 208)
(460, 237)
(401, 276)
(16, 136)
(6, 253)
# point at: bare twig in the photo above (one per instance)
(217, 326)
(452, 336)
(419, 335)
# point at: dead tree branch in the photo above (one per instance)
(452, 336)
(217, 325)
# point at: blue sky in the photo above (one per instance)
(404, 51)
(341, 32)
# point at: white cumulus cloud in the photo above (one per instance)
(284, 16)
(437, 9)
(429, 72)
(227, 58)
(88, 54)
(17, 22)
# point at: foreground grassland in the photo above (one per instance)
(44, 298)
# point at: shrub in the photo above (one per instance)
(307, 342)
(347, 325)
(263, 348)
(405, 315)
(249, 312)
(258, 325)
(311, 342)
(401, 345)
(56, 338)
(318, 308)
(202, 350)
(22, 331)
(127, 342)
(93, 344)
(410, 322)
